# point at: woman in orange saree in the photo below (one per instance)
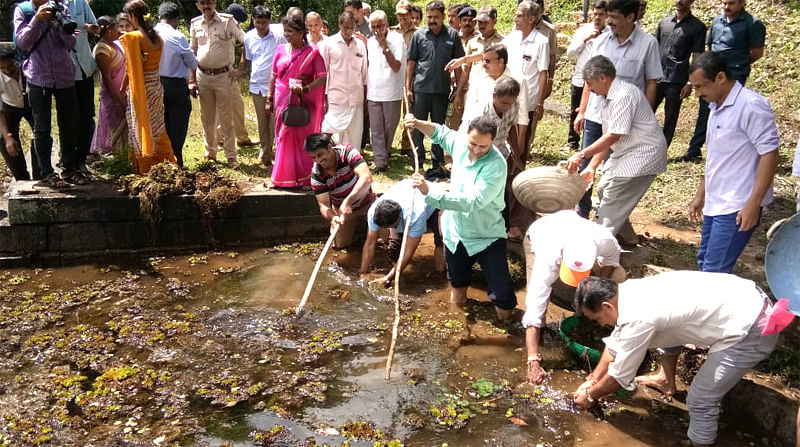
(145, 111)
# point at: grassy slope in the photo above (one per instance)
(775, 76)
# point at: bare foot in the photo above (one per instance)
(659, 382)
(504, 315)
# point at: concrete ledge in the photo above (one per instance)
(101, 202)
(96, 221)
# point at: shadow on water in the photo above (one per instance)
(201, 350)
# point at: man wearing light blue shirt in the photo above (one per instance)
(85, 66)
(259, 48)
(177, 59)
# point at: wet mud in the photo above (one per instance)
(205, 350)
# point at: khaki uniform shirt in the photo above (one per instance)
(213, 41)
(407, 34)
(477, 45)
(549, 31)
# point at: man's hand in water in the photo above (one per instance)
(536, 374)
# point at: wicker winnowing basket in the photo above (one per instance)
(547, 189)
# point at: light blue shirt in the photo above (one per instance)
(81, 13)
(259, 51)
(177, 57)
(401, 193)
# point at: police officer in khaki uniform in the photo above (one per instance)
(213, 35)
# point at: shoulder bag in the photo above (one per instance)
(297, 115)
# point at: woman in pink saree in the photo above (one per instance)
(112, 128)
(298, 71)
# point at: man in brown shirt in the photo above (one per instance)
(212, 37)
(488, 36)
(548, 29)
(405, 27)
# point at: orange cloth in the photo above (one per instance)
(145, 104)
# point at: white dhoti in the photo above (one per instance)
(345, 123)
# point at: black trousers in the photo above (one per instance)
(84, 90)
(435, 106)
(16, 164)
(40, 99)
(670, 93)
(574, 138)
(177, 109)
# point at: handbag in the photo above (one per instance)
(297, 115)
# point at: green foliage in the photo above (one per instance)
(784, 361)
(485, 387)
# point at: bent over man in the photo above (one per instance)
(721, 311)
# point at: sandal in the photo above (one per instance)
(53, 181)
(77, 178)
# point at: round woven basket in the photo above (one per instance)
(547, 189)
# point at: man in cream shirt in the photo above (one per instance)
(718, 310)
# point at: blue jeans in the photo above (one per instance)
(721, 243)
(592, 132)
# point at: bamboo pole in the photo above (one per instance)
(313, 278)
(396, 323)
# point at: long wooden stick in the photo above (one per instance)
(313, 278)
(396, 323)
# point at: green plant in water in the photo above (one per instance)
(485, 387)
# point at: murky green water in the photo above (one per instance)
(200, 350)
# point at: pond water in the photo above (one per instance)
(200, 350)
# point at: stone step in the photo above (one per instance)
(101, 202)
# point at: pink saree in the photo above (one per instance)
(293, 165)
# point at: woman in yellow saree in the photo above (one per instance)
(145, 111)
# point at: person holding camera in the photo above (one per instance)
(44, 33)
(81, 14)
(13, 109)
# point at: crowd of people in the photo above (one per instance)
(319, 98)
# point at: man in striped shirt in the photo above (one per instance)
(634, 138)
(342, 183)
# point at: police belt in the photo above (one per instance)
(214, 71)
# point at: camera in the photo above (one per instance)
(61, 17)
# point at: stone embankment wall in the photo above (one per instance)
(45, 227)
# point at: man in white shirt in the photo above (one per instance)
(634, 139)
(259, 48)
(177, 59)
(579, 51)
(385, 77)
(721, 311)
(346, 63)
(740, 167)
(314, 25)
(561, 246)
(636, 58)
(529, 59)
(12, 110)
(495, 66)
